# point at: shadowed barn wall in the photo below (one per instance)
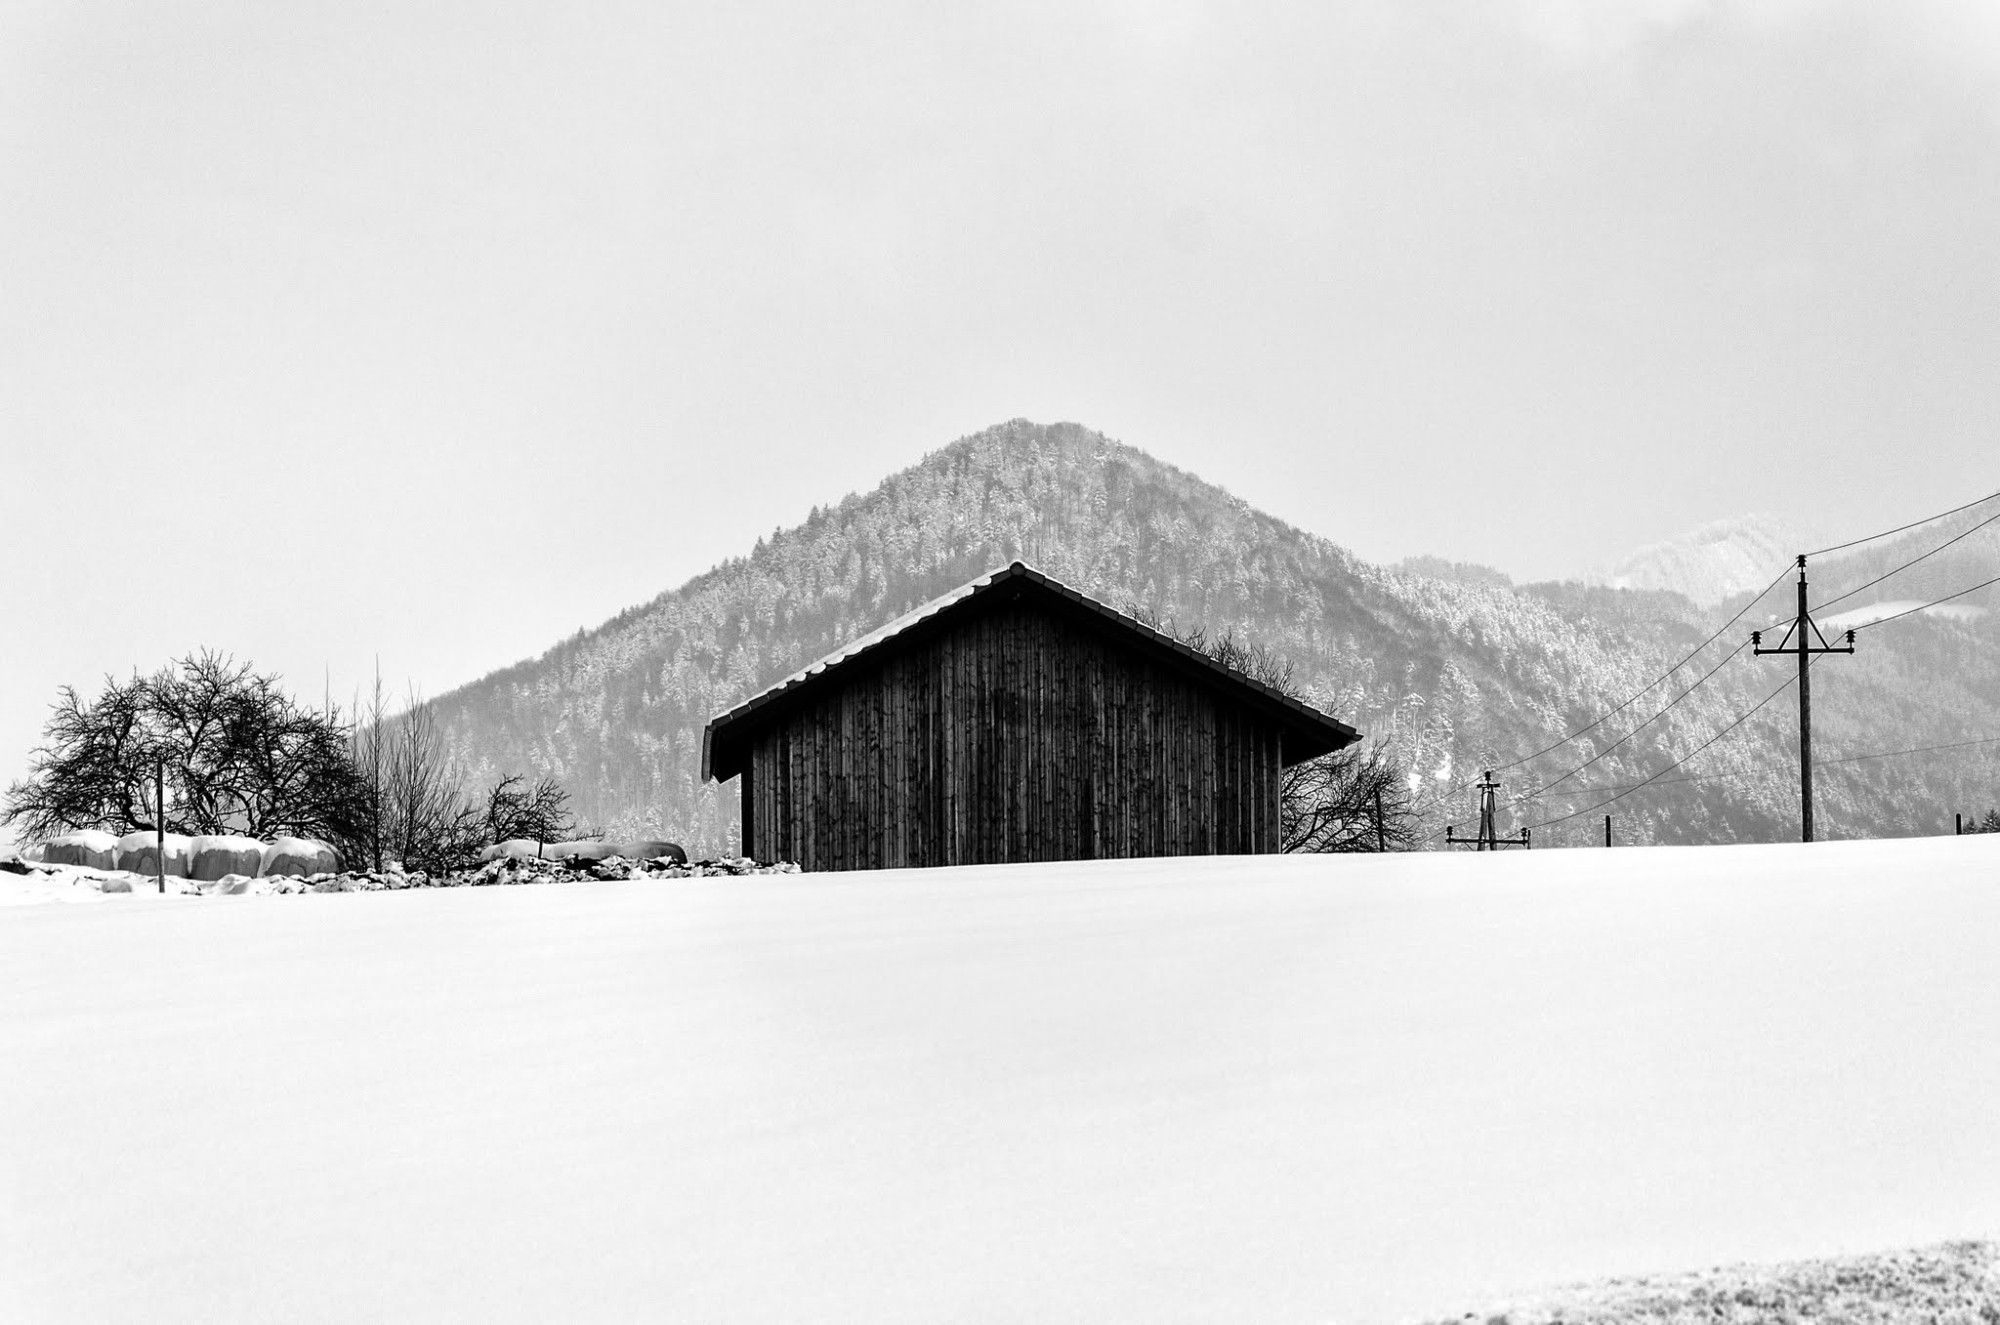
(1022, 734)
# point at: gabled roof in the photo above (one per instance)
(1308, 732)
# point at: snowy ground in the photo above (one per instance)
(79, 883)
(1271, 1089)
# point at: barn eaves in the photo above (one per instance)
(1306, 732)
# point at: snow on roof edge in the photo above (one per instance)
(926, 611)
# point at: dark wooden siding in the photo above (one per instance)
(1020, 735)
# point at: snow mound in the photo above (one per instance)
(139, 853)
(217, 855)
(91, 847)
(298, 857)
(514, 848)
(652, 849)
(580, 850)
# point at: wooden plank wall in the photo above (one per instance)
(1021, 735)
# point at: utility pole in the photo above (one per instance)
(1607, 830)
(1488, 838)
(1381, 837)
(160, 824)
(1804, 631)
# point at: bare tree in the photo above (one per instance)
(515, 809)
(1356, 799)
(427, 820)
(238, 754)
(418, 809)
(368, 748)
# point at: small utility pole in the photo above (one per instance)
(1488, 838)
(160, 823)
(1805, 631)
(1381, 836)
(1607, 830)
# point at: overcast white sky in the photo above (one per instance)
(330, 329)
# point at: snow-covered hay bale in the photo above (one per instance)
(217, 855)
(580, 850)
(139, 852)
(92, 847)
(299, 857)
(646, 848)
(514, 848)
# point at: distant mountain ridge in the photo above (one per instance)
(1455, 667)
(1709, 565)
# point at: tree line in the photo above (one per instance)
(208, 745)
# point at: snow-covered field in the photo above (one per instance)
(1260, 1089)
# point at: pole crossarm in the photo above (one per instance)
(1452, 838)
(1757, 642)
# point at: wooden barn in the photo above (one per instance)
(1012, 719)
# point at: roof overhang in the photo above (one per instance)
(1307, 732)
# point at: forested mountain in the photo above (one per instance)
(1454, 666)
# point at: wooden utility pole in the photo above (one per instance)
(1607, 830)
(160, 823)
(1804, 631)
(1488, 837)
(1381, 835)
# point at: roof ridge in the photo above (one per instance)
(1015, 569)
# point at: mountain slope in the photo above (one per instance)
(1456, 672)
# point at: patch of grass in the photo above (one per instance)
(1957, 1283)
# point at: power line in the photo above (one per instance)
(1808, 660)
(1761, 772)
(1786, 684)
(1546, 786)
(1911, 562)
(1624, 704)
(1857, 542)
(1634, 696)
(1933, 603)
